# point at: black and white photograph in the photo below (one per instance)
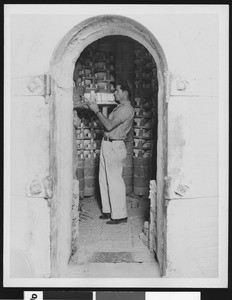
(116, 146)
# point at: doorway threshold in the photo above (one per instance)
(113, 250)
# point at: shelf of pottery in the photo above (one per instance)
(88, 136)
(94, 71)
(146, 87)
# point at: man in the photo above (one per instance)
(113, 151)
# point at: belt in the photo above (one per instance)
(105, 138)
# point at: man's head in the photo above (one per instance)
(122, 91)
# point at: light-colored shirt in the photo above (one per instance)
(125, 113)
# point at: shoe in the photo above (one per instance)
(105, 216)
(116, 221)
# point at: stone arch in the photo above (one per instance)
(61, 71)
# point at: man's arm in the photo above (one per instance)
(108, 124)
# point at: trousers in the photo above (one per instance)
(112, 187)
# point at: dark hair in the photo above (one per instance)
(124, 86)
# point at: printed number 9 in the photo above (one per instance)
(34, 296)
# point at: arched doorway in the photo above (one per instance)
(61, 105)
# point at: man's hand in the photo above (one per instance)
(76, 119)
(94, 107)
(81, 105)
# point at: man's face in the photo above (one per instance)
(119, 94)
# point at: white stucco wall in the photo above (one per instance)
(29, 157)
(186, 39)
(192, 218)
(192, 241)
(190, 42)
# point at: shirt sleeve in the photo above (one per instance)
(124, 114)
